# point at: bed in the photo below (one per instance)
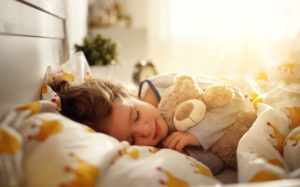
(40, 147)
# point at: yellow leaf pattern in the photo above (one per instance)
(67, 77)
(47, 129)
(34, 107)
(295, 117)
(256, 101)
(172, 180)
(264, 175)
(8, 143)
(278, 136)
(288, 67)
(262, 75)
(133, 153)
(85, 174)
(272, 161)
(154, 150)
(295, 138)
(202, 169)
(44, 89)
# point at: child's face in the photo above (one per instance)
(135, 121)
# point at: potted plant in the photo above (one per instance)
(101, 54)
(99, 50)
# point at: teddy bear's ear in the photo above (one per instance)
(218, 95)
(184, 81)
(188, 114)
(186, 88)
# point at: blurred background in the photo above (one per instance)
(215, 37)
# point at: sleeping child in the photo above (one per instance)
(112, 109)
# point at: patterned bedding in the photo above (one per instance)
(40, 147)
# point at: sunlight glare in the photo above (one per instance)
(192, 19)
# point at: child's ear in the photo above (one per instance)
(150, 98)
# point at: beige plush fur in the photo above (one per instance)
(225, 147)
(185, 89)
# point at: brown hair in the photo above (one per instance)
(90, 102)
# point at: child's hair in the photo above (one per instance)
(90, 102)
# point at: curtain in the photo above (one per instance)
(222, 37)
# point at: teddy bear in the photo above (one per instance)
(185, 104)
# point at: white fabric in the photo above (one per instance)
(270, 149)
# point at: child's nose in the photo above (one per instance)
(142, 129)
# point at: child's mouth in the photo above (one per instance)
(157, 130)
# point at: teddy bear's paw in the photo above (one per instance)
(188, 114)
(218, 96)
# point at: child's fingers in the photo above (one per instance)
(178, 140)
(167, 140)
(171, 141)
(180, 145)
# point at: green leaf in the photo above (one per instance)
(99, 50)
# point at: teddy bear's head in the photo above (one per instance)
(182, 90)
(184, 104)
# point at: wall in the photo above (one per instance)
(76, 22)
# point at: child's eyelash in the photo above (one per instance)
(137, 115)
(132, 141)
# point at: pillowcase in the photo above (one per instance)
(75, 71)
(40, 147)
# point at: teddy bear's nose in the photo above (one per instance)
(189, 113)
(184, 111)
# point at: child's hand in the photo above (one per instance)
(179, 139)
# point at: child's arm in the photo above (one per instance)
(179, 140)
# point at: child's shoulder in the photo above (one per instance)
(163, 80)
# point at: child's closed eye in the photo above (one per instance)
(136, 115)
(132, 141)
